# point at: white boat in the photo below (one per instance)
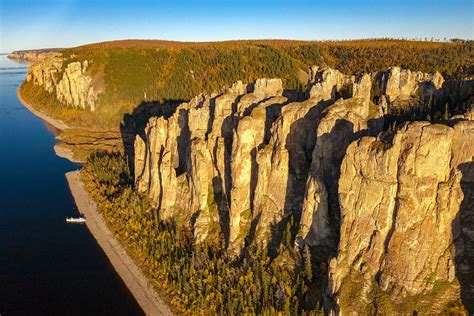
(75, 220)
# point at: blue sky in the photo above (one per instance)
(27, 24)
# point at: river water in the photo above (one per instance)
(47, 267)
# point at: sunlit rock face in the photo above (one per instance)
(244, 157)
(72, 85)
(407, 211)
(208, 149)
(340, 124)
(404, 83)
(75, 88)
(237, 165)
(399, 87)
(46, 73)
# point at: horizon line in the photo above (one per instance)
(407, 39)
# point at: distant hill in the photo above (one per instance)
(129, 72)
(31, 55)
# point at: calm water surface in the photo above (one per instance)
(47, 267)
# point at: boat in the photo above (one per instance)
(75, 220)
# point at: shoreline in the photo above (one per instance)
(123, 264)
(130, 273)
(66, 153)
(54, 122)
(57, 124)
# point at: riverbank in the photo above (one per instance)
(54, 122)
(76, 143)
(130, 273)
(58, 124)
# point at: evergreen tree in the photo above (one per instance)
(446, 112)
(308, 269)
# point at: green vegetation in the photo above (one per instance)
(198, 278)
(443, 299)
(136, 71)
(49, 105)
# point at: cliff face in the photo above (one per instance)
(407, 214)
(244, 155)
(403, 84)
(190, 153)
(394, 211)
(339, 125)
(70, 83)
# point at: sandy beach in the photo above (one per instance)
(135, 280)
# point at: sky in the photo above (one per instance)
(29, 24)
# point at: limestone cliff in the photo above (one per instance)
(391, 208)
(407, 213)
(339, 125)
(190, 152)
(243, 155)
(70, 82)
(403, 84)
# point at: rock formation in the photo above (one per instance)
(72, 85)
(407, 214)
(46, 73)
(75, 88)
(255, 148)
(340, 124)
(394, 211)
(327, 83)
(402, 86)
(198, 141)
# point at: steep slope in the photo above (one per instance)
(70, 83)
(407, 214)
(225, 152)
(243, 164)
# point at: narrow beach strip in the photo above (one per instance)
(133, 278)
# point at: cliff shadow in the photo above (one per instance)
(332, 148)
(135, 123)
(463, 235)
(299, 144)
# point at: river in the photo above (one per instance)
(47, 267)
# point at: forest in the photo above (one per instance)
(143, 71)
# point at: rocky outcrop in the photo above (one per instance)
(238, 165)
(250, 135)
(190, 152)
(339, 125)
(406, 213)
(46, 73)
(75, 88)
(403, 86)
(244, 155)
(283, 166)
(71, 83)
(326, 83)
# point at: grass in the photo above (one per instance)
(443, 298)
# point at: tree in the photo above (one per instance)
(446, 112)
(308, 269)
